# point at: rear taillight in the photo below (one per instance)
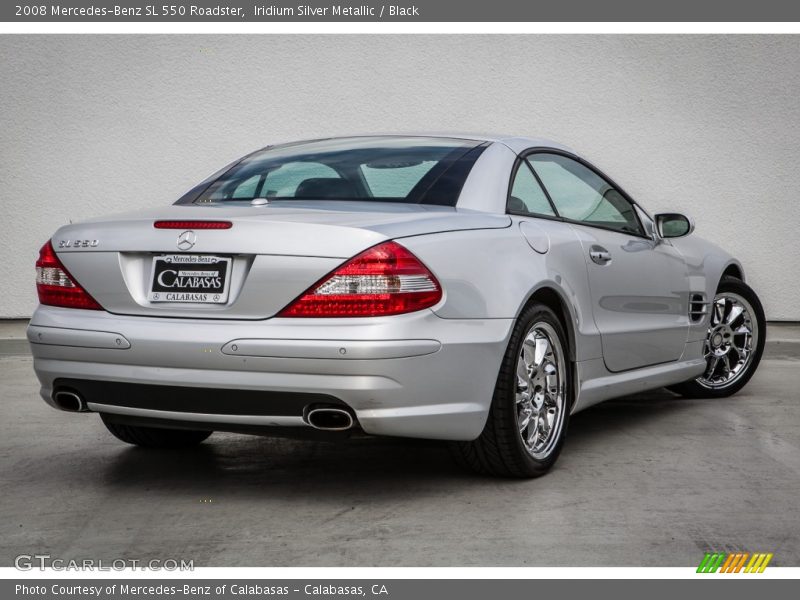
(55, 285)
(386, 279)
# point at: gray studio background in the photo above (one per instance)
(710, 125)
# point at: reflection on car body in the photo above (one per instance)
(472, 289)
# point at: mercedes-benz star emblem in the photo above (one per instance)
(187, 240)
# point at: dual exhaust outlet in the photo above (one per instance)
(70, 401)
(328, 418)
(325, 418)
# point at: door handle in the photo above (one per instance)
(599, 255)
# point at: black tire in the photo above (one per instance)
(695, 389)
(155, 437)
(499, 450)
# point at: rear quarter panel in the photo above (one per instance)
(491, 274)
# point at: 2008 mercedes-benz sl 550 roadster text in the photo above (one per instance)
(463, 288)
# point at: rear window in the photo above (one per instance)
(392, 169)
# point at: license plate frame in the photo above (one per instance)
(192, 279)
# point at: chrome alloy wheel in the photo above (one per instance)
(732, 337)
(540, 396)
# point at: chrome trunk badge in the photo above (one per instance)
(186, 240)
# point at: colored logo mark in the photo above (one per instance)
(734, 562)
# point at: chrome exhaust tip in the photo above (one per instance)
(69, 401)
(330, 419)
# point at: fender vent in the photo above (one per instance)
(698, 307)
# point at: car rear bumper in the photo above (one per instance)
(414, 375)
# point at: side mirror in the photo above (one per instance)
(673, 225)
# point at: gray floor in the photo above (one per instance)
(647, 480)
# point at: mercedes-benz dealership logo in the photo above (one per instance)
(187, 240)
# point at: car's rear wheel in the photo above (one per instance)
(154, 437)
(527, 421)
(734, 344)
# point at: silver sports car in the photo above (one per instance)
(473, 289)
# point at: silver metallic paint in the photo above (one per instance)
(638, 298)
(426, 374)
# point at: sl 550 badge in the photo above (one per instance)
(78, 243)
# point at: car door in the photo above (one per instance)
(637, 283)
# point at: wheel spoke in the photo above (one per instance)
(551, 416)
(736, 312)
(742, 351)
(718, 312)
(526, 419)
(712, 366)
(542, 348)
(726, 308)
(552, 384)
(528, 353)
(522, 373)
(727, 365)
(533, 431)
(544, 427)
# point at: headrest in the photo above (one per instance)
(325, 187)
(516, 204)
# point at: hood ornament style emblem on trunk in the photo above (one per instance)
(186, 240)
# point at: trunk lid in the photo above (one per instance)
(276, 251)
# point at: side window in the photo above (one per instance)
(580, 194)
(527, 195)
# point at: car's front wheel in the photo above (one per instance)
(527, 421)
(733, 347)
(154, 437)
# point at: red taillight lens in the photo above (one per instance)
(192, 224)
(55, 285)
(384, 280)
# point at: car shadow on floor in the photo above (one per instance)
(249, 462)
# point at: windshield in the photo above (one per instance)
(392, 169)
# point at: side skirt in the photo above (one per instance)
(596, 383)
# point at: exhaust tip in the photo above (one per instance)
(330, 419)
(69, 401)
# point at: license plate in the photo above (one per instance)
(197, 279)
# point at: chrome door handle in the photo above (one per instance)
(599, 255)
